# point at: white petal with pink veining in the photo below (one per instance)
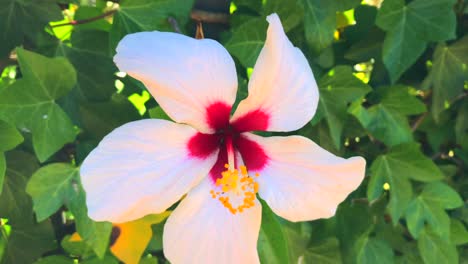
(184, 75)
(140, 168)
(302, 181)
(202, 230)
(282, 83)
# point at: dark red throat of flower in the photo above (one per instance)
(229, 137)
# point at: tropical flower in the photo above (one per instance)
(146, 166)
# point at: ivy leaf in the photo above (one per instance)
(101, 118)
(337, 89)
(30, 102)
(343, 5)
(158, 113)
(448, 74)
(55, 259)
(383, 123)
(58, 184)
(146, 15)
(9, 138)
(133, 237)
(319, 23)
(401, 163)
(461, 126)
(374, 250)
(95, 234)
(386, 121)
(354, 224)
(429, 207)
(399, 99)
(272, 246)
(291, 13)
(16, 206)
(24, 18)
(435, 250)
(95, 69)
(326, 252)
(409, 27)
(15, 203)
(458, 232)
(247, 41)
(50, 187)
(36, 238)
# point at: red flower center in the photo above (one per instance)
(217, 116)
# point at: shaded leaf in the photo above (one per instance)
(247, 40)
(409, 27)
(435, 250)
(338, 88)
(272, 247)
(23, 18)
(29, 103)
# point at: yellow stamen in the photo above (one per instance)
(242, 189)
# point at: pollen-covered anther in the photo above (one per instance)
(237, 189)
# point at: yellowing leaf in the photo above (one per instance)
(133, 237)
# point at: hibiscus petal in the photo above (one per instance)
(194, 81)
(283, 94)
(140, 168)
(301, 181)
(202, 230)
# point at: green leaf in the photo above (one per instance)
(58, 184)
(409, 27)
(343, 5)
(20, 19)
(29, 103)
(419, 212)
(326, 252)
(9, 137)
(319, 23)
(461, 126)
(448, 74)
(272, 247)
(290, 12)
(95, 234)
(398, 98)
(2, 170)
(147, 15)
(408, 160)
(458, 232)
(441, 194)
(50, 187)
(15, 203)
(383, 123)
(435, 250)
(16, 206)
(247, 40)
(101, 118)
(374, 250)
(56, 259)
(36, 238)
(338, 88)
(158, 113)
(429, 207)
(354, 224)
(401, 163)
(95, 69)
(76, 248)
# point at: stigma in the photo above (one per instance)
(236, 189)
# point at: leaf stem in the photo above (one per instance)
(86, 20)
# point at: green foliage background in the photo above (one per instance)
(393, 89)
